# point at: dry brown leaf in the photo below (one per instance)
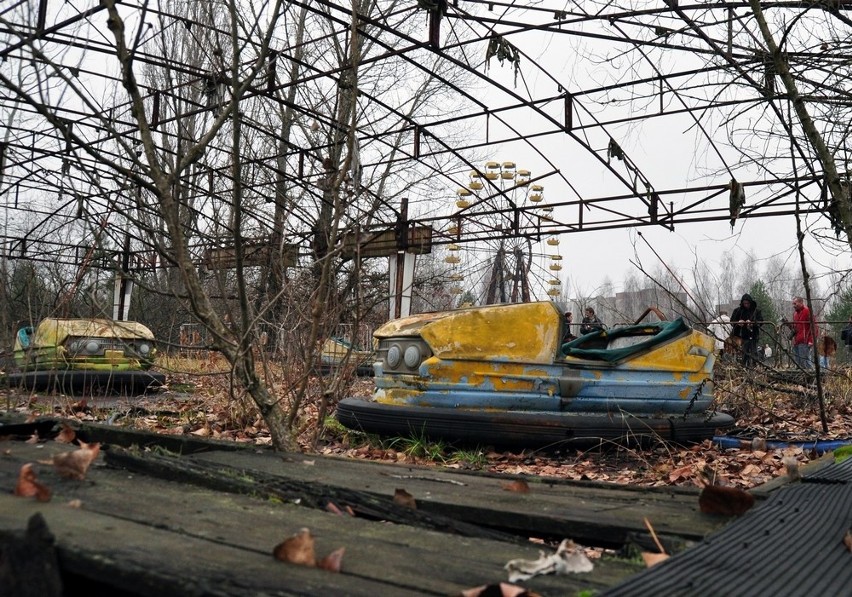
(683, 472)
(728, 501)
(517, 486)
(652, 559)
(298, 549)
(847, 539)
(66, 434)
(332, 507)
(73, 465)
(404, 499)
(75, 503)
(33, 439)
(332, 561)
(29, 486)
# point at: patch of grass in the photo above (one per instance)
(474, 458)
(335, 427)
(417, 445)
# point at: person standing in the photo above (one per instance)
(591, 323)
(803, 340)
(846, 335)
(745, 322)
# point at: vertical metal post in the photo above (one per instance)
(416, 141)
(123, 285)
(569, 112)
(730, 31)
(42, 15)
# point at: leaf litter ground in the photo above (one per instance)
(766, 404)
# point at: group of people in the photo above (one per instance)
(589, 324)
(740, 334)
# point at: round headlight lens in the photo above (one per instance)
(144, 348)
(394, 356)
(412, 357)
(92, 347)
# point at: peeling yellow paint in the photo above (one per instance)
(524, 332)
(675, 357)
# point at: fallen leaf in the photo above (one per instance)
(404, 499)
(728, 501)
(29, 486)
(683, 472)
(518, 486)
(332, 561)
(75, 503)
(332, 507)
(33, 439)
(66, 434)
(652, 559)
(73, 465)
(847, 539)
(298, 549)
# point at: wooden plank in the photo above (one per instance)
(145, 535)
(594, 514)
(590, 513)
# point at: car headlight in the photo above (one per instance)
(92, 347)
(403, 355)
(144, 349)
(412, 357)
(394, 356)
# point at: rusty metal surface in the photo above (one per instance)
(790, 545)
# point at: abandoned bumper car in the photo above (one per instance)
(338, 354)
(85, 355)
(499, 375)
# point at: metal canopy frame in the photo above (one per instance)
(564, 112)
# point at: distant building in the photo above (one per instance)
(626, 307)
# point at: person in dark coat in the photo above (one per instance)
(569, 323)
(745, 321)
(591, 323)
(846, 335)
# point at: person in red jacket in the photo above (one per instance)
(803, 340)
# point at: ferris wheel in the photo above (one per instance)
(501, 251)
